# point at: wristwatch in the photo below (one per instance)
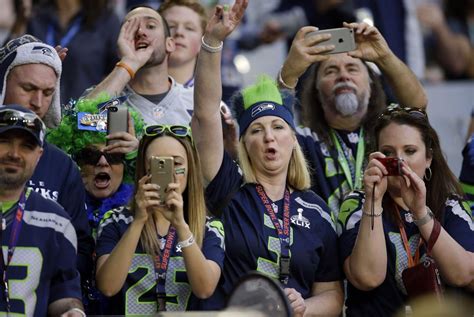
(425, 219)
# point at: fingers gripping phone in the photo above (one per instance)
(117, 120)
(392, 164)
(162, 171)
(341, 38)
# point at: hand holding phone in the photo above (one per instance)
(341, 38)
(162, 171)
(117, 120)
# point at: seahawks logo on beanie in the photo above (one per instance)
(262, 99)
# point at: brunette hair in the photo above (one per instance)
(191, 4)
(442, 183)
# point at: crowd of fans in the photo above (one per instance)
(348, 204)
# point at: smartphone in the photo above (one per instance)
(341, 38)
(162, 170)
(392, 164)
(117, 120)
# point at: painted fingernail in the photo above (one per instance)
(226, 7)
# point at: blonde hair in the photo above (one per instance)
(194, 204)
(298, 170)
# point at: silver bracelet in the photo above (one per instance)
(209, 48)
(374, 215)
(282, 82)
(425, 219)
(186, 243)
(80, 311)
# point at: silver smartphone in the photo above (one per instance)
(341, 38)
(162, 168)
(117, 120)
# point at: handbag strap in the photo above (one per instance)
(433, 236)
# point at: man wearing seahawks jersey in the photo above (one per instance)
(39, 243)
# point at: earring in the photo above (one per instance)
(428, 174)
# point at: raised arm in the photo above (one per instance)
(206, 121)
(372, 47)
(132, 59)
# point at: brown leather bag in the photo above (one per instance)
(423, 278)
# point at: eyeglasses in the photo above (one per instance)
(395, 109)
(180, 131)
(91, 156)
(10, 117)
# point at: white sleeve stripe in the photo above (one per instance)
(50, 220)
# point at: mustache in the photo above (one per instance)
(344, 85)
(12, 161)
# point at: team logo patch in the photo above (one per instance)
(42, 50)
(262, 107)
(300, 220)
(408, 217)
(353, 137)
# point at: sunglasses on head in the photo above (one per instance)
(10, 117)
(180, 131)
(395, 109)
(91, 156)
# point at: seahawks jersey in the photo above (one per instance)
(466, 177)
(252, 242)
(386, 299)
(327, 177)
(138, 294)
(43, 266)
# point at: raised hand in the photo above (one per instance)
(172, 209)
(375, 178)
(413, 191)
(224, 21)
(147, 198)
(132, 56)
(371, 45)
(303, 53)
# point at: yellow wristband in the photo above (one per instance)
(127, 68)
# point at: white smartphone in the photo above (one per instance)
(341, 38)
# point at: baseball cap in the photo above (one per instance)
(17, 117)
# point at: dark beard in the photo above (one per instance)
(9, 182)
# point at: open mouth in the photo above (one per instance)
(102, 180)
(270, 153)
(141, 45)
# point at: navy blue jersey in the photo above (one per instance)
(466, 177)
(138, 294)
(57, 177)
(252, 242)
(43, 267)
(327, 177)
(386, 299)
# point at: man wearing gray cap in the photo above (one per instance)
(30, 72)
(38, 266)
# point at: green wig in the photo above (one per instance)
(70, 139)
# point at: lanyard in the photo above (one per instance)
(66, 39)
(15, 233)
(412, 261)
(283, 233)
(353, 177)
(161, 265)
